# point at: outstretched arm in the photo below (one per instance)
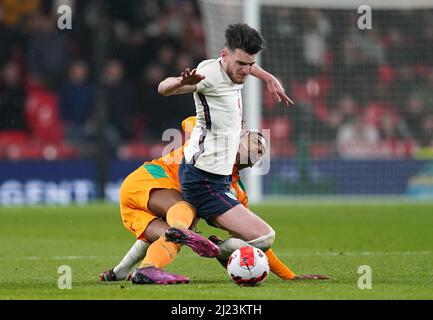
(187, 82)
(282, 271)
(278, 267)
(274, 86)
(275, 264)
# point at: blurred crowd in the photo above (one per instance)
(47, 85)
(358, 93)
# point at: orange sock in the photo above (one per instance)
(180, 215)
(278, 267)
(160, 254)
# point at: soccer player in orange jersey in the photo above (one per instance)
(150, 196)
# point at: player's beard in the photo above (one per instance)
(236, 78)
(239, 79)
(242, 80)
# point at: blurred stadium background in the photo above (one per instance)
(79, 108)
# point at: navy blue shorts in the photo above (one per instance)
(209, 193)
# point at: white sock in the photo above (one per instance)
(230, 245)
(134, 255)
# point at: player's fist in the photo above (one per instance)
(191, 77)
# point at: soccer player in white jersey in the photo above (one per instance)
(206, 168)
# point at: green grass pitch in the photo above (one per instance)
(395, 240)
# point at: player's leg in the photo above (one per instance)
(147, 229)
(156, 255)
(243, 225)
(150, 227)
(275, 264)
(168, 204)
(141, 247)
(252, 231)
(152, 189)
(122, 270)
(136, 221)
(247, 229)
(159, 254)
(146, 243)
(137, 191)
(161, 200)
(180, 216)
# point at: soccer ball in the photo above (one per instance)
(248, 266)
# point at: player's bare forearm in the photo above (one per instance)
(170, 86)
(278, 267)
(187, 82)
(282, 271)
(311, 277)
(274, 86)
(260, 73)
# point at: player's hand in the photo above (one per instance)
(311, 277)
(275, 87)
(190, 77)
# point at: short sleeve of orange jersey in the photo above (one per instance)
(172, 160)
(238, 188)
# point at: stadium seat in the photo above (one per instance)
(36, 150)
(281, 127)
(323, 151)
(9, 137)
(314, 90)
(43, 116)
(134, 151)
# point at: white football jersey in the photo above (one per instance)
(214, 141)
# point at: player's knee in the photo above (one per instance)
(264, 242)
(181, 214)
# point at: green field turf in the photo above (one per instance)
(395, 240)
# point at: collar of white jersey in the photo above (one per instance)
(225, 75)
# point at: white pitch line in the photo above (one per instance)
(349, 253)
(59, 258)
(281, 254)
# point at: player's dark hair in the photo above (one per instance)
(242, 36)
(260, 135)
(257, 133)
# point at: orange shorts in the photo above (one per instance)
(135, 192)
